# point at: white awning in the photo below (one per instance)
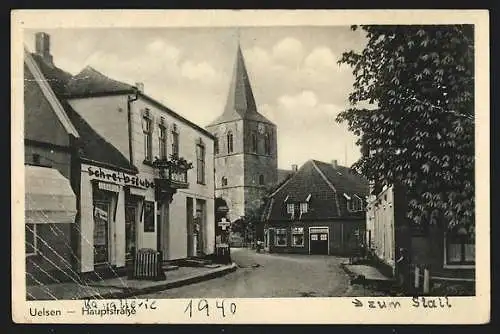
(48, 196)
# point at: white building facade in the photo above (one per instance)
(123, 211)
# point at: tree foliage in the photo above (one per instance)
(420, 132)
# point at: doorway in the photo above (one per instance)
(189, 226)
(101, 232)
(319, 240)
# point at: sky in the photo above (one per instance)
(293, 71)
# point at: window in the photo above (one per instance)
(229, 142)
(354, 204)
(261, 179)
(149, 216)
(297, 236)
(175, 141)
(30, 239)
(216, 145)
(254, 142)
(267, 144)
(460, 247)
(162, 141)
(280, 237)
(303, 207)
(224, 181)
(147, 131)
(290, 208)
(200, 163)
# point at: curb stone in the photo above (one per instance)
(126, 293)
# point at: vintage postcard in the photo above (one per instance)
(326, 167)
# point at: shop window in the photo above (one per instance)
(147, 131)
(460, 247)
(267, 144)
(102, 210)
(200, 162)
(175, 141)
(280, 237)
(298, 237)
(162, 141)
(229, 142)
(149, 216)
(31, 239)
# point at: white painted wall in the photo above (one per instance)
(107, 115)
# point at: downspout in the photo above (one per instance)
(129, 119)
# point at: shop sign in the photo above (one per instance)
(119, 178)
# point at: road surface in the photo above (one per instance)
(263, 275)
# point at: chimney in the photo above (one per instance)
(334, 164)
(140, 86)
(42, 47)
(295, 168)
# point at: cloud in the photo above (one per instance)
(305, 99)
(288, 51)
(202, 72)
(321, 57)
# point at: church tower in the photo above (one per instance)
(246, 159)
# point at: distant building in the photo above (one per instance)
(133, 185)
(246, 156)
(447, 254)
(318, 210)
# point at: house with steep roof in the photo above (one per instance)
(320, 209)
(162, 197)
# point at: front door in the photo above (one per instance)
(130, 231)
(318, 241)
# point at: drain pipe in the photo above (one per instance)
(129, 118)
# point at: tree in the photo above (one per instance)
(420, 132)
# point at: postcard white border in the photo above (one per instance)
(464, 310)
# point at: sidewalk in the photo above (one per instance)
(121, 287)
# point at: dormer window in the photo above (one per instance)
(354, 203)
(290, 208)
(304, 207)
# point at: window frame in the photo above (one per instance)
(147, 134)
(230, 143)
(224, 181)
(175, 141)
(294, 232)
(254, 142)
(267, 144)
(162, 141)
(302, 205)
(35, 241)
(216, 145)
(457, 265)
(288, 206)
(277, 232)
(261, 179)
(200, 163)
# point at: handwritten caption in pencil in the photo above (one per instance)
(204, 307)
(122, 307)
(416, 302)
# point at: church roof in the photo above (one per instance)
(240, 102)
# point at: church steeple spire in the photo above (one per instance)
(240, 103)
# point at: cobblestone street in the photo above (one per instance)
(272, 275)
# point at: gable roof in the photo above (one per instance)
(240, 103)
(92, 146)
(322, 186)
(90, 81)
(49, 94)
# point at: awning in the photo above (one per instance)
(48, 196)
